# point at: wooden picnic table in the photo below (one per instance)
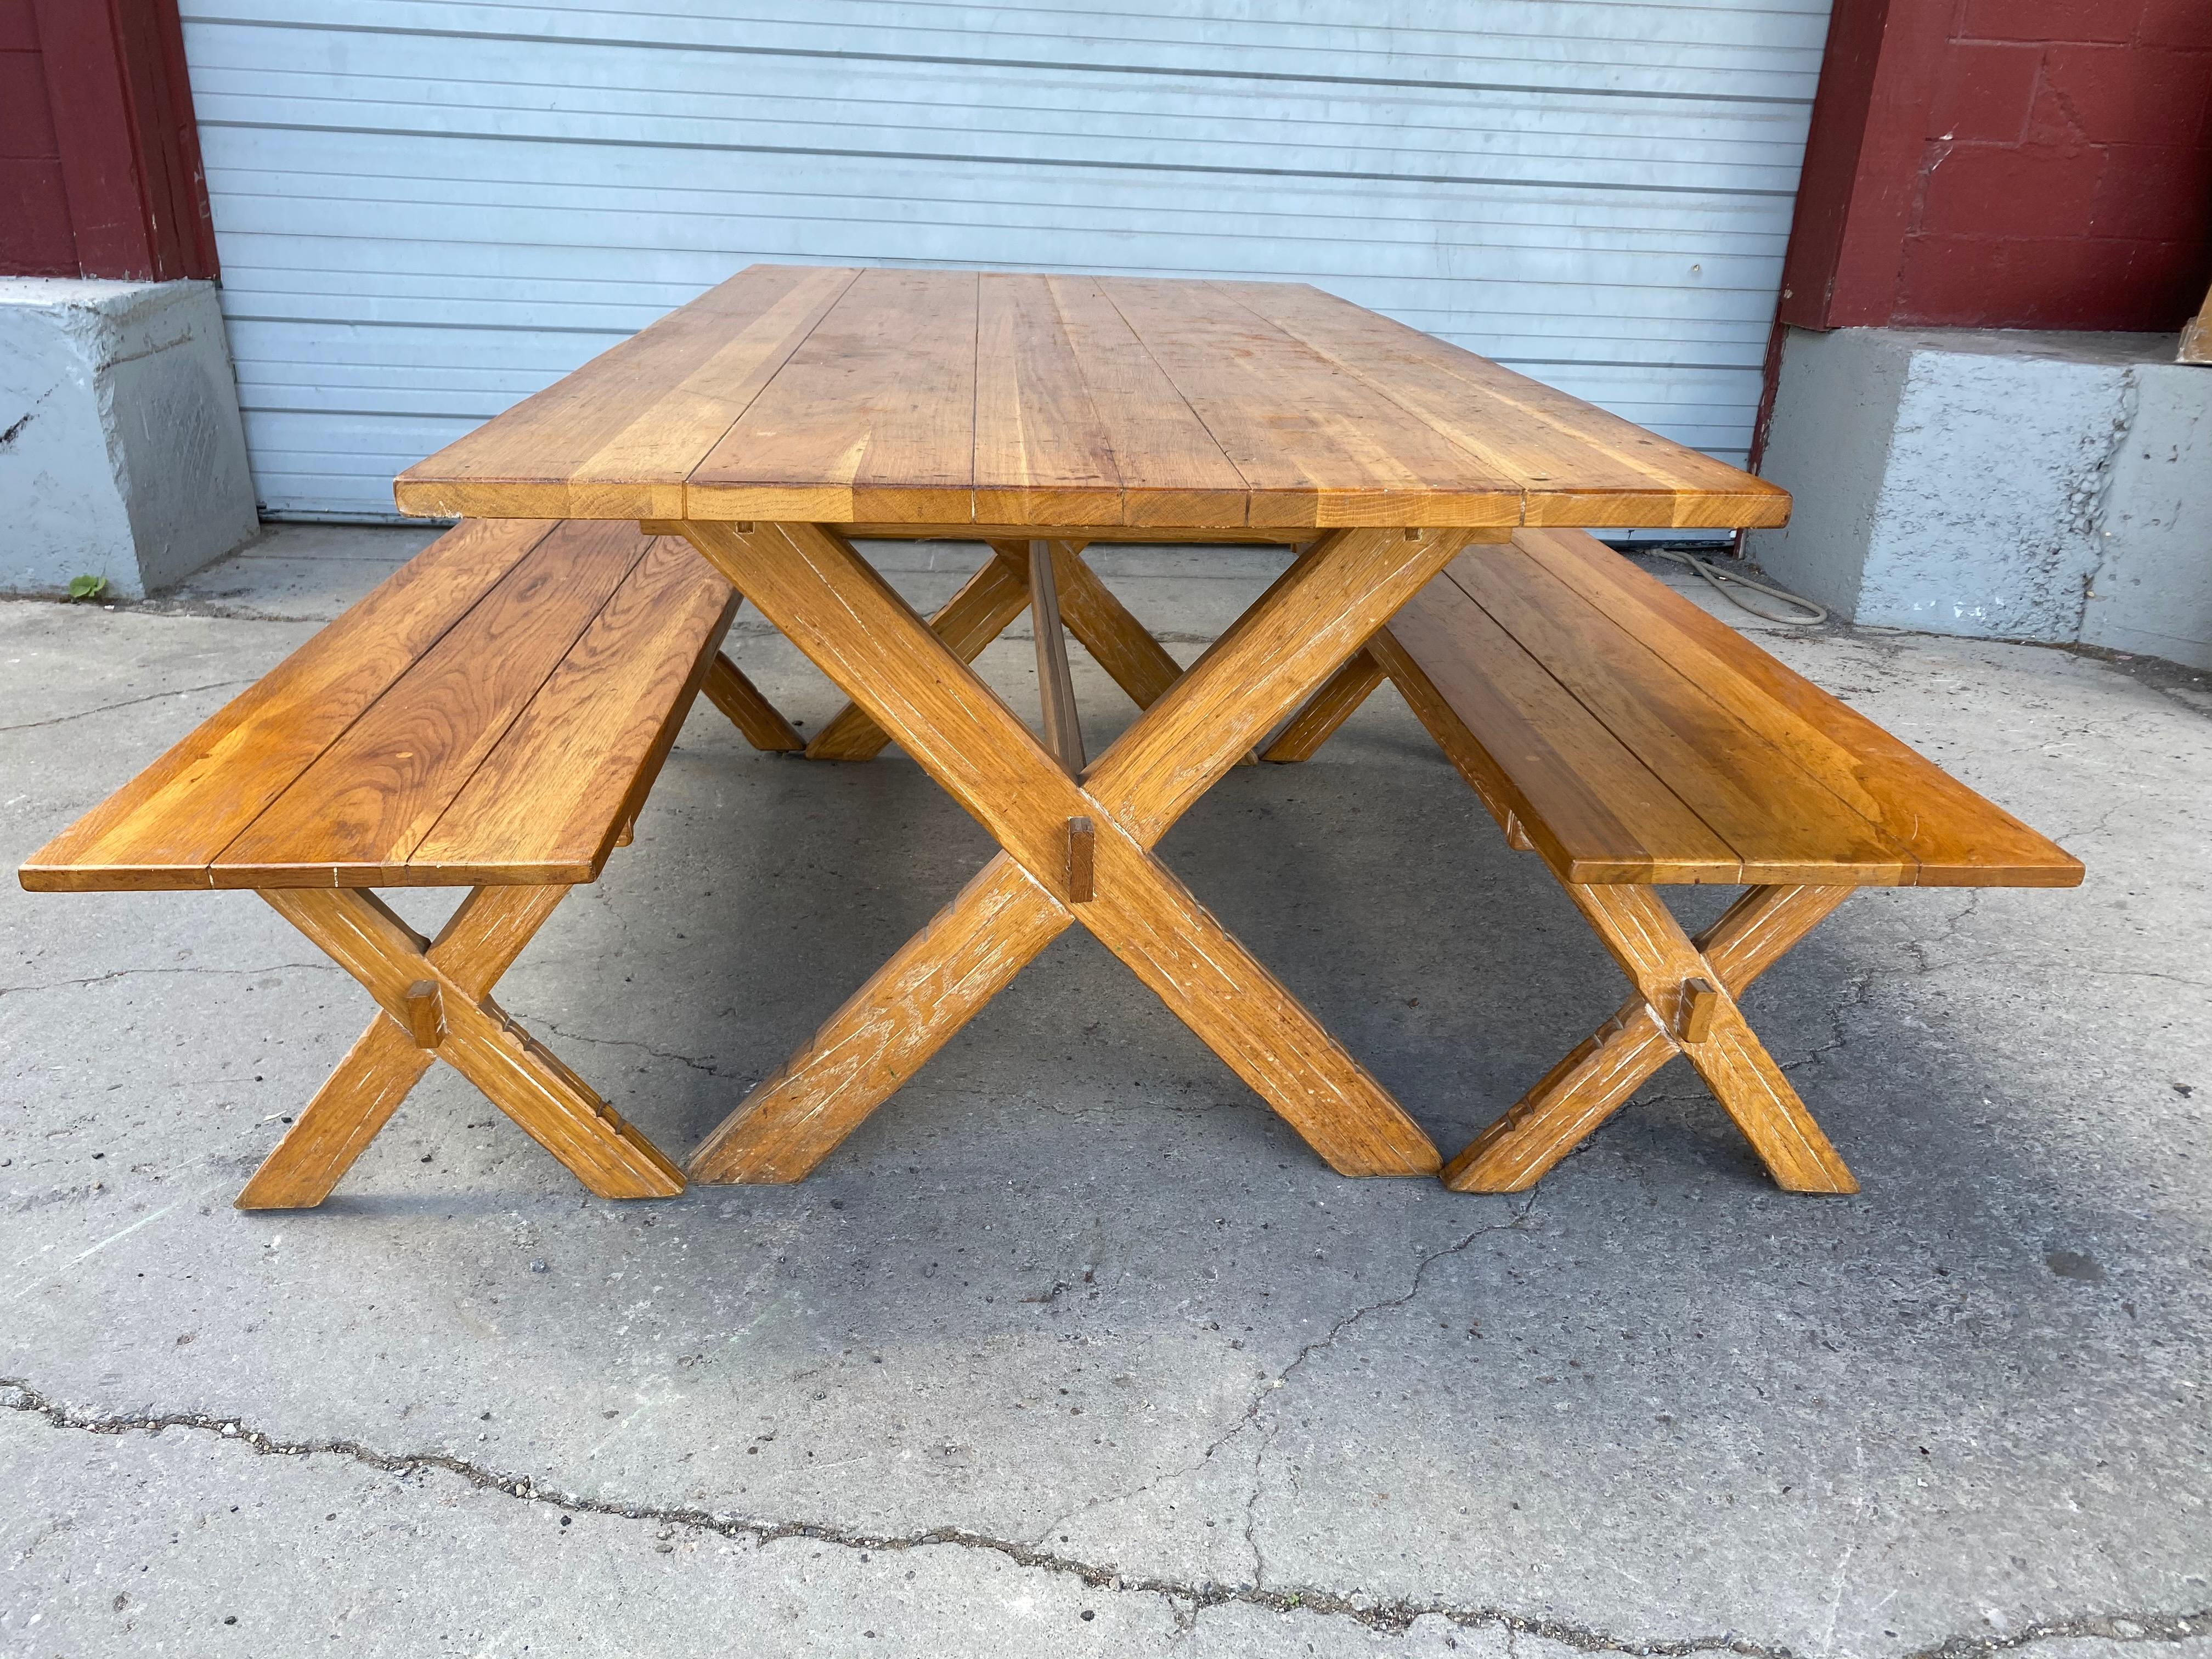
(792, 410)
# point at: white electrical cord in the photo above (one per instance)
(1723, 582)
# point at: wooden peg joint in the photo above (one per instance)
(425, 1014)
(1699, 1003)
(1082, 842)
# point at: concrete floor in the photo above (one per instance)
(1073, 1348)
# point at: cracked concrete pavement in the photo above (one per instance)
(1074, 1347)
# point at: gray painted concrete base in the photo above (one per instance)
(1999, 484)
(1074, 1325)
(122, 453)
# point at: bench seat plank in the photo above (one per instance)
(1795, 786)
(1957, 838)
(353, 817)
(553, 660)
(1783, 825)
(492, 717)
(575, 769)
(164, 827)
(1595, 811)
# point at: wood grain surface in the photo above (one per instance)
(1021, 402)
(1634, 738)
(493, 712)
(903, 674)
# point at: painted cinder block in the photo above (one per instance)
(122, 453)
(1998, 483)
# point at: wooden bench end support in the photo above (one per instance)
(1598, 1077)
(433, 994)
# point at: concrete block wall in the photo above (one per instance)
(2151, 593)
(2006, 484)
(2060, 181)
(122, 453)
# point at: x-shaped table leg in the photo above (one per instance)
(835, 608)
(1685, 1004)
(435, 1004)
(989, 602)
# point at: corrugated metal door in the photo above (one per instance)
(428, 208)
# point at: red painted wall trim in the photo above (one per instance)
(2003, 164)
(1841, 108)
(129, 148)
(2007, 164)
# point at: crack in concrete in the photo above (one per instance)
(2096, 831)
(1391, 1616)
(1921, 949)
(695, 1064)
(128, 702)
(1270, 1385)
(2080, 969)
(1273, 1425)
(1858, 992)
(129, 973)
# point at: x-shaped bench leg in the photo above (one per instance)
(434, 995)
(1327, 709)
(1685, 1004)
(841, 614)
(985, 607)
(757, 719)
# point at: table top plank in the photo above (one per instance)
(548, 800)
(1318, 446)
(617, 438)
(873, 417)
(1783, 823)
(945, 399)
(1171, 470)
(1577, 464)
(169, 823)
(356, 815)
(1957, 836)
(1037, 431)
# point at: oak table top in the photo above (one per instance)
(948, 399)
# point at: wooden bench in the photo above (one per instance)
(491, 717)
(1632, 740)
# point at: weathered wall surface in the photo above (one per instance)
(2152, 592)
(2007, 164)
(2006, 484)
(121, 450)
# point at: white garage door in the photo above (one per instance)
(428, 208)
